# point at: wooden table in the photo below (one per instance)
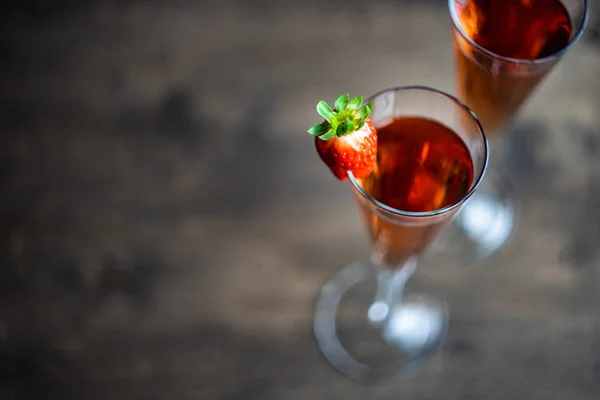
(163, 210)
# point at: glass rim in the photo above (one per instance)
(452, 7)
(452, 206)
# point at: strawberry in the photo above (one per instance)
(347, 140)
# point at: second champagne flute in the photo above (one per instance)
(503, 50)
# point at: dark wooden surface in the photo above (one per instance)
(166, 223)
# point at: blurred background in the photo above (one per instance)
(165, 223)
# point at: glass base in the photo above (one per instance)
(483, 226)
(367, 340)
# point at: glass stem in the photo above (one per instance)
(390, 286)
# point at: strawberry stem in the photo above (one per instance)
(348, 117)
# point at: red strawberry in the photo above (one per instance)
(347, 140)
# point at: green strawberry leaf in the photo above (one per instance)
(348, 117)
(341, 103)
(327, 136)
(355, 103)
(365, 110)
(325, 111)
(361, 123)
(319, 129)
(349, 126)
